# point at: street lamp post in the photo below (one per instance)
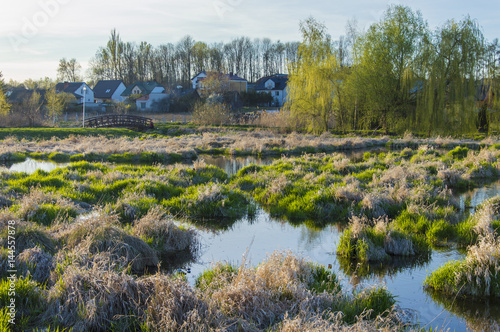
(84, 92)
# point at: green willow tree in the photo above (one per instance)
(385, 68)
(55, 103)
(448, 103)
(313, 79)
(491, 83)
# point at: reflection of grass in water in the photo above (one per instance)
(480, 315)
(172, 261)
(361, 270)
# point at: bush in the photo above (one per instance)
(211, 113)
(459, 152)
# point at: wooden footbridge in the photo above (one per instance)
(119, 120)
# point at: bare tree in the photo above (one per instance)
(69, 70)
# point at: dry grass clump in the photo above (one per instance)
(262, 296)
(483, 265)
(36, 263)
(486, 214)
(332, 321)
(283, 271)
(100, 232)
(351, 192)
(162, 234)
(90, 298)
(27, 234)
(34, 201)
(173, 305)
(377, 202)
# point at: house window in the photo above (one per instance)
(143, 106)
(108, 90)
(277, 93)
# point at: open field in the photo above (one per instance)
(175, 142)
(98, 244)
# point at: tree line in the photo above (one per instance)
(173, 64)
(397, 76)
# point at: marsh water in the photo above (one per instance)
(251, 240)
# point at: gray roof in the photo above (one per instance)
(280, 82)
(146, 88)
(70, 88)
(105, 89)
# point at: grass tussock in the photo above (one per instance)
(477, 275)
(45, 208)
(90, 298)
(212, 200)
(160, 232)
(27, 234)
(36, 263)
(378, 240)
(484, 222)
(100, 232)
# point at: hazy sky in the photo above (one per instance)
(35, 34)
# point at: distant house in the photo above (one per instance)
(77, 90)
(148, 93)
(236, 83)
(109, 91)
(276, 86)
(197, 77)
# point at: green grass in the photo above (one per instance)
(323, 280)
(210, 279)
(29, 301)
(458, 153)
(375, 300)
(210, 201)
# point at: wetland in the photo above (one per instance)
(267, 237)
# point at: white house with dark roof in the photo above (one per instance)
(197, 77)
(276, 86)
(150, 93)
(77, 90)
(109, 91)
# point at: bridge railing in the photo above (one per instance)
(118, 120)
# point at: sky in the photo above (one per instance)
(36, 34)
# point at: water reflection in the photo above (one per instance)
(479, 314)
(471, 199)
(359, 271)
(231, 165)
(30, 166)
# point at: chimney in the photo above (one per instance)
(66, 84)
